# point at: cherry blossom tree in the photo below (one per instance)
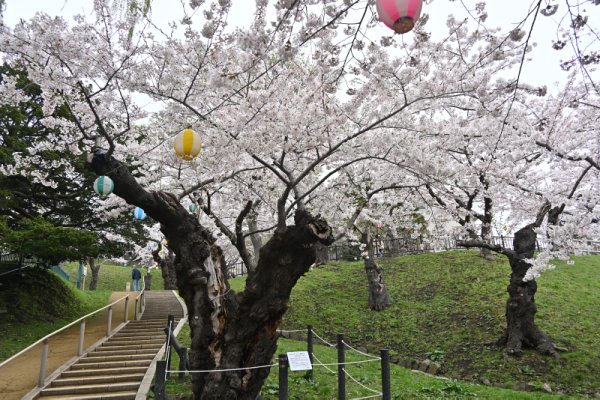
(286, 111)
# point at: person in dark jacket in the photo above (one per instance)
(136, 275)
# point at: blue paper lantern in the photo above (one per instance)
(139, 214)
(103, 185)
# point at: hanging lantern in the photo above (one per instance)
(187, 144)
(193, 207)
(139, 214)
(103, 185)
(399, 15)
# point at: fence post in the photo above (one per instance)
(341, 349)
(109, 324)
(42, 377)
(283, 377)
(386, 389)
(81, 335)
(159, 380)
(182, 363)
(135, 311)
(126, 309)
(309, 348)
(170, 323)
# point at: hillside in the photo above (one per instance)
(450, 307)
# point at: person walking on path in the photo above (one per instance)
(136, 275)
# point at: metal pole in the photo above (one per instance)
(182, 363)
(42, 377)
(170, 324)
(135, 311)
(341, 367)
(109, 324)
(283, 377)
(126, 309)
(159, 380)
(309, 348)
(81, 335)
(386, 387)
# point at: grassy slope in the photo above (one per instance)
(61, 303)
(406, 385)
(452, 304)
(113, 277)
(15, 336)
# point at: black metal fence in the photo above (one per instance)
(394, 247)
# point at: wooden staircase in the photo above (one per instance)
(115, 369)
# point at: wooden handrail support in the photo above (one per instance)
(47, 337)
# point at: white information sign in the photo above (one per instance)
(299, 360)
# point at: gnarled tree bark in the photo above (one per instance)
(521, 330)
(167, 267)
(228, 330)
(378, 297)
(95, 271)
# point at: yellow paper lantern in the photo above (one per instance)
(187, 144)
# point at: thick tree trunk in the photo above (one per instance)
(378, 297)
(167, 267)
(95, 271)
(521, 330)
(228, 330)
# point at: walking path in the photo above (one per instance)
(119, 366)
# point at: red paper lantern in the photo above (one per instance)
(399, 15)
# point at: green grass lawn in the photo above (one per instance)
(406, 384)
(450, 306)
(47, 304)
(113, 277)
(19, 331)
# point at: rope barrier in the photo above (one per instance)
(291, 331)
(360, 352)
(322, 365)
(368, 397)
(350, 362)
(199, 371)
(361, 385)
(323, 340)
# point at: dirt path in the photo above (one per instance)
(21, 375)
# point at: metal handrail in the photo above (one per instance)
(60, 330)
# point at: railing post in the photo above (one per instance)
(126, 309)
(81, 336)
(42, 377)
(386, 389)
(170, 324)
(309, 348)
(159, 380)
(109, 324)
(341, 367)
(182, 363)
(135, 311)
(283, 377)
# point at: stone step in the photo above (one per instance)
(102, 372)
(132, 346)
(112, 364)
(108, 352)
(94, 380)
(119, 357)
(138, 335)
(125, 342)
(87, 389)
(124, 395)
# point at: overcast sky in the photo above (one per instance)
(542, 70)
